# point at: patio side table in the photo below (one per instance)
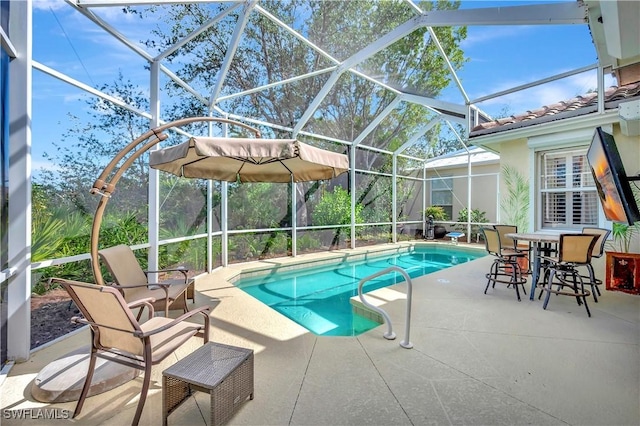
(454, 236)
(225, 372)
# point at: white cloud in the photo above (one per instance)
(539, 96)
(484, 36)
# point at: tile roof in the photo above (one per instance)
(574, 107)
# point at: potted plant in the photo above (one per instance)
(437, 213)
(621, 236)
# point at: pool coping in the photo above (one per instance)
(236, 272)
(284, 264)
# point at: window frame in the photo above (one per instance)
(447, 188)
(586, 186)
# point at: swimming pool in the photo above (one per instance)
(318, 298)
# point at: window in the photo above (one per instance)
(442, 194)
(569, 198)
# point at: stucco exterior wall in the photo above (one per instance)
(629, 149)
(484, 186)
(519, 154)
(515, 154)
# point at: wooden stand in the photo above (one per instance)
(623, 272)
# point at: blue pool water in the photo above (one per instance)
(318, 297)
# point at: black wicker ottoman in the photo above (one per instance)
(225, 372)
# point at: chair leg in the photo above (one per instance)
(521, 278)
(576, 277)
(491, 275)
(87, 381)
(548, 290)
(514, 278)
(592, 281)
(584, 299)
(586, 307)
(545, 278)
(192, 289)
(185, 299)
(145, 386)
(574, 280)
(496, 271)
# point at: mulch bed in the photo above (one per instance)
(51, 316)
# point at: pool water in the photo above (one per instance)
(318, 298)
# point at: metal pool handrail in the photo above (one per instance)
(390, 335)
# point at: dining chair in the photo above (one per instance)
(116, 335)
(563, 276)
(598, 251)
(506, 242)
(510, 245)
(505, 268)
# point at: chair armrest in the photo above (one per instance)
(140, 285)
(176, 269)
(204, 310)
(147, 301)
(80, 320)
(512, 252)
(163, 286)
(181, 269)
(83, 320)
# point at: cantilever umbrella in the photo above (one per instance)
(230, 159)
(249, 160)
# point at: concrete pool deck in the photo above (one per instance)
(477, 359)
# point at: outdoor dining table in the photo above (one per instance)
(541, 243)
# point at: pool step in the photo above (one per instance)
(363, 311)
(382, 297)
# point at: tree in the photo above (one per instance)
(90, 143)
(343, 28)
(268, 54)
(63, 206)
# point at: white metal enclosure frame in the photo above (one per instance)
(466, 115)
(18, 42)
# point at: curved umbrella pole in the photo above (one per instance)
(105, 185)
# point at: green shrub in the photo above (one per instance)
(438, 213)
(308, 242)
(334, 208)
(477, 216)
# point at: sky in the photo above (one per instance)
(500, 57)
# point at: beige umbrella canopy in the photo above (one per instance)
(249, 160)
